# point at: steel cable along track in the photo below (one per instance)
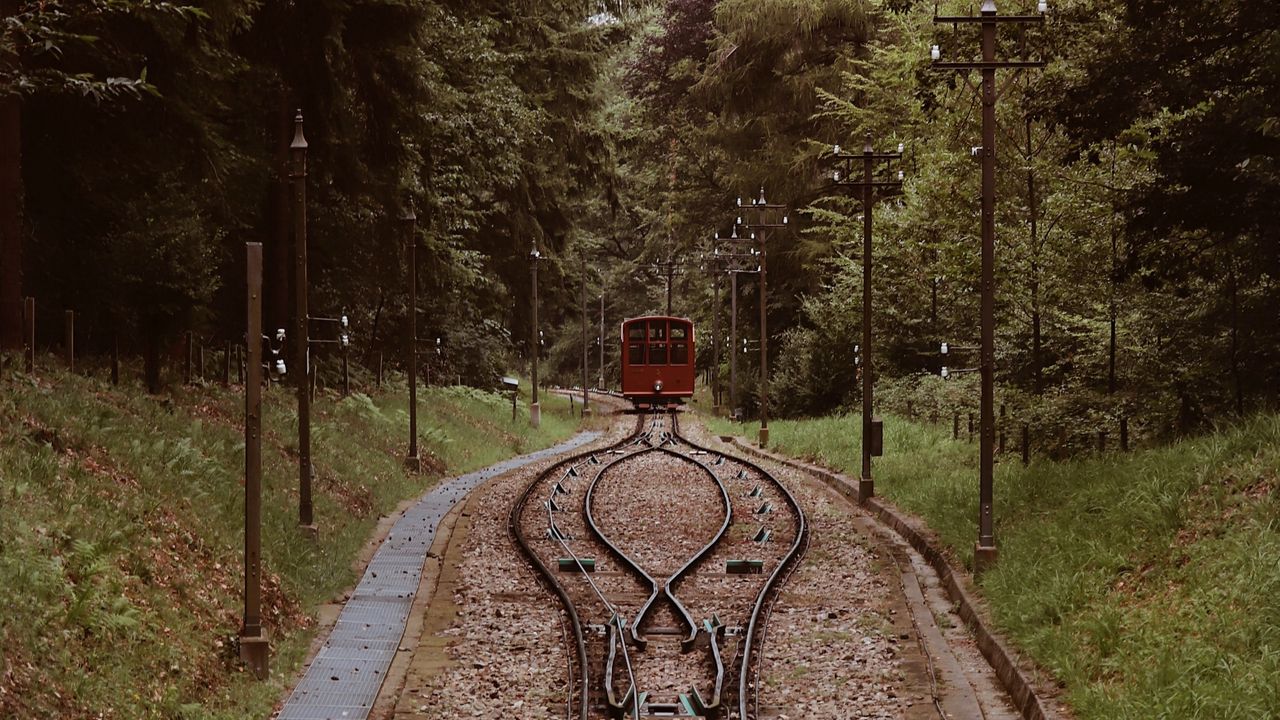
(665, 443)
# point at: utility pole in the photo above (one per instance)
(715, 343)
(535, 411)
(671, 270)
(733, 344)
(302, 343)
(766, 217)
(733, 260)
(586, 394)
(601, 385)
(985, 550)
(872, 429)
(668, 270)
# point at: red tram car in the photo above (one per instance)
(657, 360)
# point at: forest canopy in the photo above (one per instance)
(144, 142)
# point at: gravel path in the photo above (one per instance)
(508, 657)
(832, 633)
(638, 508)
(831, 649)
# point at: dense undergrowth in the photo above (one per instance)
(1147, 583)
(121, 521)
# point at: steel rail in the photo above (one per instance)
(687, 644)
(664, 588)
(517, 535)
(654, 588)
(755, 625)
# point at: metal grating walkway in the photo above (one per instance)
(344, 678)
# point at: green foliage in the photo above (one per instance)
(1145, 583)
(123, 530)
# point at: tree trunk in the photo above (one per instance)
(277, 290)
(1112, 305)
(1037, 359)
(377, 319)
(1235, 341)
(10, 212)
(151, 359)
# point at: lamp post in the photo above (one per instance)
(535, 411)
(872, 429)
(985, 554)
(302, 345)
(763, 217)
(254, 648)
(409, 220)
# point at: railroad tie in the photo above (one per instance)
(743, 567)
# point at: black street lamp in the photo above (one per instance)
(762, 217)
(409, 220)
(984, 554)
(872, 428)
(535, 410)
(302, 345)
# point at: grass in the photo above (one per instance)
(1148, 583)
(121, 521)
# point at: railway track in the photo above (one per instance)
(666, 558)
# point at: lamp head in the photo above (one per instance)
(299, 140)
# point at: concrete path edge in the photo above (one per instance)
(344, 678)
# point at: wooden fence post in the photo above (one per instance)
(30, 332)
(69, 342)
(1026, 443)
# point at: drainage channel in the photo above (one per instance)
(343, 680)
